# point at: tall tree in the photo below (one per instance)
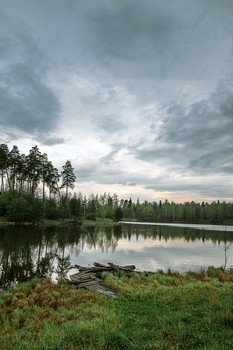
(34, 168)
(52, 178)
(68, 177)
(13, 166)
(44, 170)
(4, 153)
(21, 174)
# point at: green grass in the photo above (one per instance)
(58, 222)
(161, 311)
(98, 221)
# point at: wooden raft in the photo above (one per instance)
(90, 278)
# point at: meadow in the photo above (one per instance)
(158, 311)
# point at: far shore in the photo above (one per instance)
(197, 226)
(226, 226)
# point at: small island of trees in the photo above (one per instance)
(33, 190)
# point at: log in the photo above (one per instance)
(127, 268)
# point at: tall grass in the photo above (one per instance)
(160, 311)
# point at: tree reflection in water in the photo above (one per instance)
(27, 252)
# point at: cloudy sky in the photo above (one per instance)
(138, 95)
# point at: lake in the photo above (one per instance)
(27, 251)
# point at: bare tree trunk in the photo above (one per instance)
(43, 189)
(2, 185)
(226, 248)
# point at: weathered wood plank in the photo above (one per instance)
(89, 278)
(125, 268)
(98, 264)
(82, 277)
(104, 289)
(86, 284)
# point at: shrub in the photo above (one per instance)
(91, 216)
(51, 210)
(17, 210)
(35, 210)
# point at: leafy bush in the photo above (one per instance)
(17, 210)
(35, 210)
(64, 210)
(51, 209)
(91, 216)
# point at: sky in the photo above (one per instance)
(138, 95)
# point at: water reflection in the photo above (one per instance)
(27, 252)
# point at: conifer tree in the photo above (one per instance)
(68, 177)
(4, 153)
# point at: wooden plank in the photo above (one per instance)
(82, 277)
(86, 284)
(98, 264)
(100, 288)
(89, 278)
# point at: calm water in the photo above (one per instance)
(26, 252)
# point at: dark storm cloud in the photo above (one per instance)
(151, 43)
(134, 43)
(28, 105)
(196, 137)
(147, 77)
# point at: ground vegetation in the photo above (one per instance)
(159, 311)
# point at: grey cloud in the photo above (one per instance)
(198, 136)
(154, 40)
(28, 104)
(140, 44)
(86, 172)
(109, 123)
(110, 157)
(100, 173)
(168, 54)
(49, 140)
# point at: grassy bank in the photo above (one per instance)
(58, 222)
(83, 221)
(161, 311)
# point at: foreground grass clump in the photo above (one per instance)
(160, 311)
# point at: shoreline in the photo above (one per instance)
(47, 222)
(104, 221)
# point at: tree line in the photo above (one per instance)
(110, 206)
(23, 173)
(32, 190)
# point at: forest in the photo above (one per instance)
(33, 190)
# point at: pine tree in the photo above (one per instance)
(4, 154)
(13, 166)
(34, 168)
(68, 177)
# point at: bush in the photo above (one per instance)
(17, 210)
(3, 205)
(64, 210)
(35, 210)
(5, 199)
(51, 209)
(91, 216)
